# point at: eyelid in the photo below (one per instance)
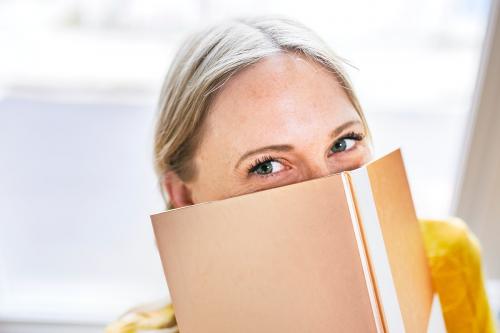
(263, 159)
(358, 136)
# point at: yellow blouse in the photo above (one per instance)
(455, 262)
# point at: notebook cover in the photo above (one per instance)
(279, 260)
(403, 239)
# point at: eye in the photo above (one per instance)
(268, 165)
(346, 142)
(342, 144)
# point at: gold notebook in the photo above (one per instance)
(341, 253)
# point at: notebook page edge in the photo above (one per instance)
(365, 262)
(376, 250)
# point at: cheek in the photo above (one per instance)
(367, 152)
(213, 180)
(364, 156)
(352, 160)
(205, 190)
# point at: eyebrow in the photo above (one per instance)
(285, 147)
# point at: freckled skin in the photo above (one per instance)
(283, 99)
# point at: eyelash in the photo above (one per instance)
(351, 135)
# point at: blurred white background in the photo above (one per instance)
(78, 86)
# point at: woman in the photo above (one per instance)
(256, 103)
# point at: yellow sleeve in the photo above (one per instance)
(145, 319)
(455, 261)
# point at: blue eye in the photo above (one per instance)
(266, 167)
(346, 142)
(342, 145)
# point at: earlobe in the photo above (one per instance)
(178, 192)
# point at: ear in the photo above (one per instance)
(179, 193)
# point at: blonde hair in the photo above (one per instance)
(206, 60)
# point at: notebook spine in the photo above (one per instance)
(366, 261)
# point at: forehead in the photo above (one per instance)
(279, 100)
